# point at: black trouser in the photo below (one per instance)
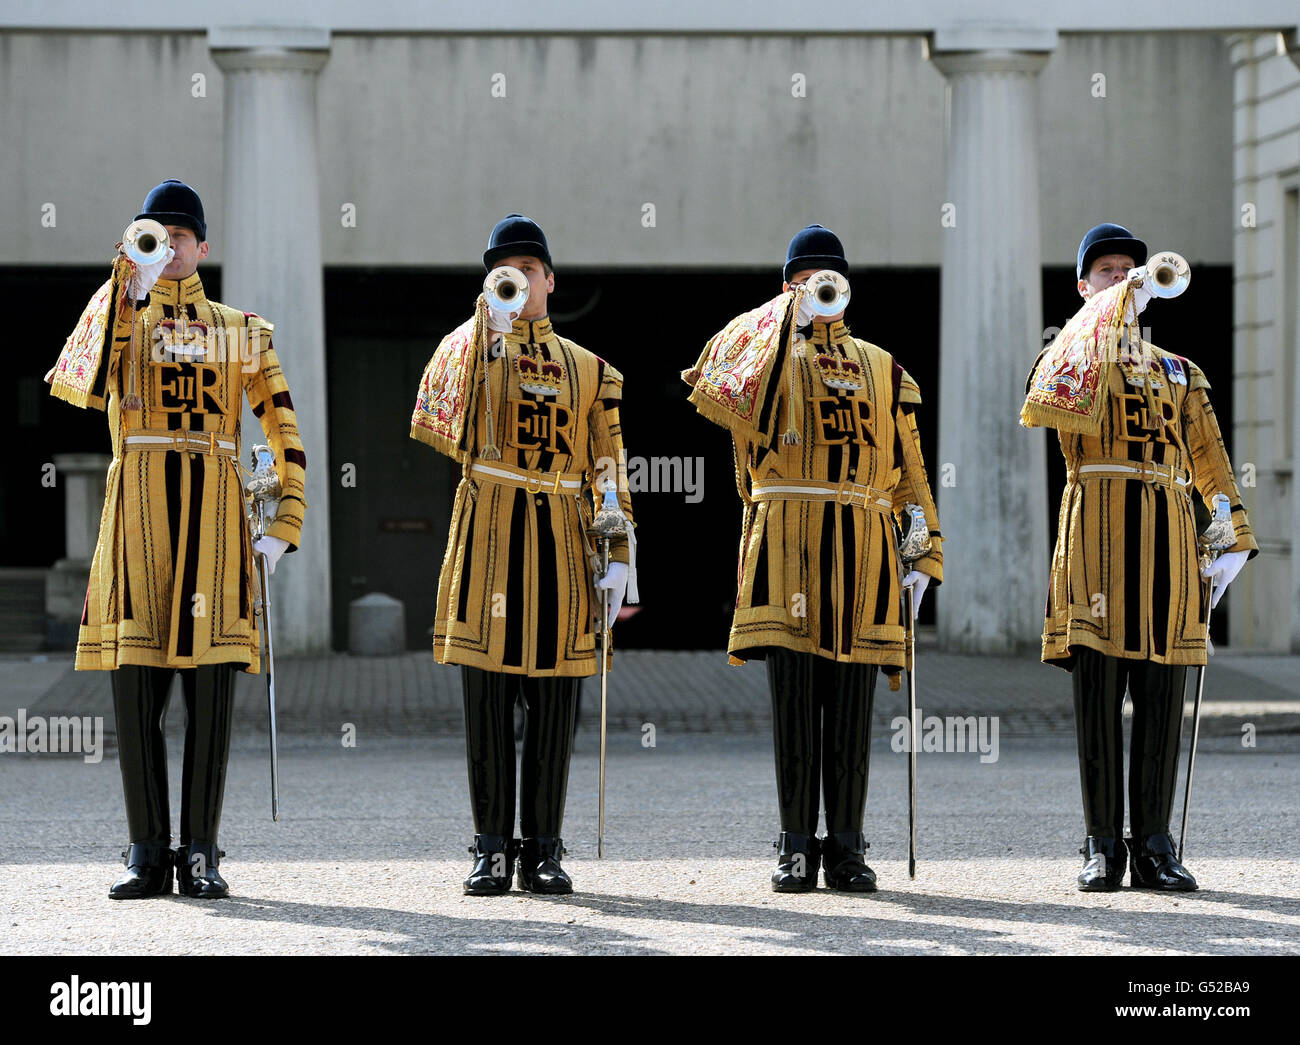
(140, 707)
(821, 727)
(550, 707)
(1157, 694)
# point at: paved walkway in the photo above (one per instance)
(681, 692)
(370, 853)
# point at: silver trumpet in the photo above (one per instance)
(608, 523)
(145, 241)
(264, 487)
(911, 546)
(827, 293)
(1165, 275)
(506, 290)
(1218, 535)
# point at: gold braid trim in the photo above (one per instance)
(794, 404)
(489, 451)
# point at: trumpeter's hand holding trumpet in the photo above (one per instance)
(1166, 275)
(147, 244)
(506, 291)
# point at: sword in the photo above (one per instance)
(609, 522)
(911, 546)
(1216, 536)
(264, 486)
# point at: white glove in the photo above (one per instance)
(806, 315)
(272, 548)
(499, 321)
(145, 276)
(615, 580)
(921, 581)
(1223, 571)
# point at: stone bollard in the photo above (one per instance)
(83, 478)
(376, 626)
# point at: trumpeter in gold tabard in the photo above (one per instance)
(1139, 435)
(826, 454)
(515, 591)
(171, 578)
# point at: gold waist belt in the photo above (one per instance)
(1145, 471)
(181, 440)
(849, 494)
(553, 483)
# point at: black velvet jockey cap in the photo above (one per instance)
(1107, 238)
(175, 203)
(815, 247)
(515, 234)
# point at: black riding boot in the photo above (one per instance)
(1153, 777)
(797, 859)
(140, 710)
(494, 865)
(209, 705)
(489, 698)
(1098, 683)
(539, 866)
(846, 693)
(1103, 867)
(796, 741)
(551, 706)
(1153, 865)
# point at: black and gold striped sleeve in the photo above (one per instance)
(268, 395)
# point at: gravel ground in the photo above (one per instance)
(370, 852)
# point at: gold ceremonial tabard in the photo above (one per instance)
(817, 576)
(170, 582)
(1125, 578)
(515, 591)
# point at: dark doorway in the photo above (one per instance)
(390, 530)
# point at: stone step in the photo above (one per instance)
(22, 610)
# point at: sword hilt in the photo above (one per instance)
(263, 485)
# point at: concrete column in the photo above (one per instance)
(271, 245)
(991, 476)
(1292, 40)
(83, 478)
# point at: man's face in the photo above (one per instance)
(540, 285)
(1106, 271)
(189, 251)
(799, 279)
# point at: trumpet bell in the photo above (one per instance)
(827, 293)
(1165, 275)
(145, 241)
(506, 290)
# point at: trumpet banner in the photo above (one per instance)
(79, 375)
(442, 402)
(1066, 388)
(733, 379)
